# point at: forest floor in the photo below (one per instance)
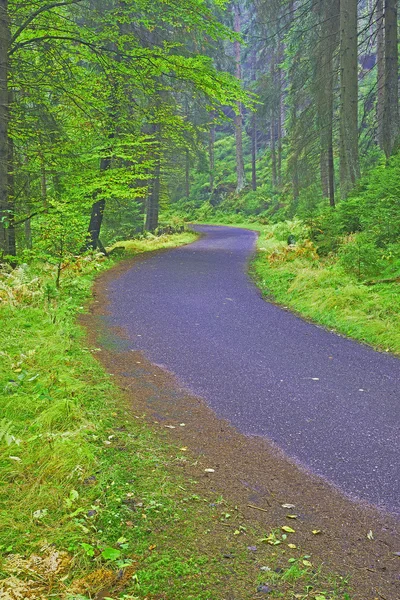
(114, 491)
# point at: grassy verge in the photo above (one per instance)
(322, 290)
(91, 504)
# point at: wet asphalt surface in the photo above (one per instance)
(330, 403)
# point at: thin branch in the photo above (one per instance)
(38, 12)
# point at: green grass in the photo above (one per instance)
(83, 474)
(324, 292)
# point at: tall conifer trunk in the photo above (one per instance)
(4, 118)
(211, 152)
(380, 58)
(241, 181)
(273, 150)
(329, 11)
(349, 161)
(254, 151)
(187, 173)
(391, 103)
(254, 127)
(153, 199)
(11, 245)
(279, 132)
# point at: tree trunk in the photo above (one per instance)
(323, 167)
(4, 117)
(380, 58)
(273, 150)
(254, 152)
(211, 151)
(329, 11)
(254, 144)
(153, 199)
(12, 249)
(241, 179)
(349, 161)
(187, 173)
(279, 148)
(96, 217)
(279, 76)
(391, 105)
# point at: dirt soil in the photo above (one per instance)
(250, 472)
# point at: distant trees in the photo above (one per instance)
(327, 78)
(106, 106)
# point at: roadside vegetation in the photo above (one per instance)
(92, 503)
(339, 267)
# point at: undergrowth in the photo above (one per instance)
(90, 505)
(322, 289)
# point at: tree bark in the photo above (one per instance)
(4, 118)
(12, 248)
(349, 160)
(211, 152)
(241, 179)
(254, 152)
(294, 160)
(187, 173)
(273, 150)
(329, 11)
(391, 104)
(153, 199)
(380, 58)
(279, 132)
(96, 217)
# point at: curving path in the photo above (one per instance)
(328, 402)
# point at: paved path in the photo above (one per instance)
(329, 402)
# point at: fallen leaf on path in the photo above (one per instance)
(291, 516)
(316, 531)
(292, 546)
(170, 426)
(370, 535)
(307, 563)
(209, 470)
(288, 529)
(288, 506)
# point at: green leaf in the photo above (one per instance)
(111, 554)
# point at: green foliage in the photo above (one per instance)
(331, 290)
(97, 100)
